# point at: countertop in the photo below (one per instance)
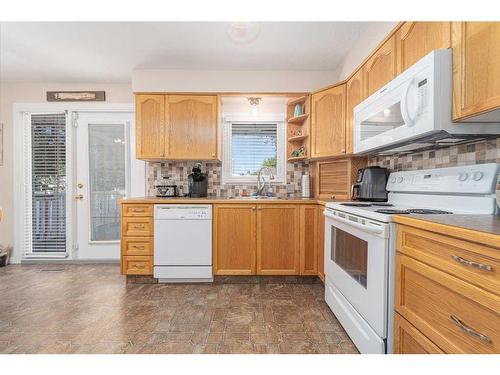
(476, 228)
(211, 200)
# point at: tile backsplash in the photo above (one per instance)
(177, 172)
(472, 153)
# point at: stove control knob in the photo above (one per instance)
(400, 179)
(393, 180)
(463, 176)
(477, 176)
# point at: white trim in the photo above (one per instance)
(18, 116)
(281, 162)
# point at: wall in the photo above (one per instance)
(466, 154)
(11, 93)
(366, 43)
(230, 81)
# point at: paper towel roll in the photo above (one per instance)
(306, 186)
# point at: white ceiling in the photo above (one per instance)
(110, 51)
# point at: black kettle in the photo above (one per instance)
(197, 182)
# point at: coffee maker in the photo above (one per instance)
(197, 182)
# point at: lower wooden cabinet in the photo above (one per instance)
(409, 340)
(234, 231)
(137, 265)
(321, 243)
(265, 239)
(278, 239)
(446, 293)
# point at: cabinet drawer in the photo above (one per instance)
(137, 265)
(137, 226)
(137, 245)
(457, 316)
(137, 209)
(477, 264)
(409, 340)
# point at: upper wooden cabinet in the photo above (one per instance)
(192, 126)
(328, 122)
(354, 95)
(150, 126)
(476, 68)
(380, 68)
(414, 40)
(278, 239)
(176, 127)
(234, 239)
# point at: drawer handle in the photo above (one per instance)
(468, 330)
(137, 210)
(139, 226)
(470, 263)
(138, 246)
(139, 266)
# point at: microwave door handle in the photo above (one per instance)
(404, 104)
(354, 224)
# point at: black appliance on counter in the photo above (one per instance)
(370, 184)
(197, 182)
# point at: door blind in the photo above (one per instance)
(47, 180)
(253, 146)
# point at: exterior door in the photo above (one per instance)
(106, 171)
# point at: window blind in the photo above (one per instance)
(45, 176)
(253, 146)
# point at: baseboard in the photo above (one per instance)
(70, 261)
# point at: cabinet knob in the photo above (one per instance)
(213, 154)
(162, 155)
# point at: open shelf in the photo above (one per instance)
(298, 158)
(298, 119)
(299, 100)
(297, 138)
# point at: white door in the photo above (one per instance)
(106, 171)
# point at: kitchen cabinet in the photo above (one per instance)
(192, 126)
(136, 239)
(446, 290)
(234, 239)
(414, 40)
(380, 68)
(409, 340)
(328, 122)
(354, 95)
(150, 126)
(308, 240)
(476, 71)
(278, 239)
(174, 127)
(321, 243)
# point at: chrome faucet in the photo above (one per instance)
(261, 182)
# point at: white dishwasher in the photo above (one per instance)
(183, 243)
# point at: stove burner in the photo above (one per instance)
(391, 211)
(382, 204)
(424, 211)
(353, 204)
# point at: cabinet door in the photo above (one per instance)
(380, 68)
(328, 122)
(150, 126)
(476, 71)
(308, 240)
(414, 40)
(321, 243)
(354, 96)
(192, 126)
(278, 239)
(409, 340)
(234, 239)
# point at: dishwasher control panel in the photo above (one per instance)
(183, 212)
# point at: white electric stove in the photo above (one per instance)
(360, 243)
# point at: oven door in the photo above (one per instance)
(356, 263)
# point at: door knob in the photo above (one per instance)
(79, 196)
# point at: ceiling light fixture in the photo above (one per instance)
(243, 32)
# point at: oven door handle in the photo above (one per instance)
(354, 224)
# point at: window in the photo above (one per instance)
(45, 218)
(249, 146)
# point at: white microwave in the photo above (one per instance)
(414, 111)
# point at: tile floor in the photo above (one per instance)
(91, 309)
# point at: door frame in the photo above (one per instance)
(19, 112)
